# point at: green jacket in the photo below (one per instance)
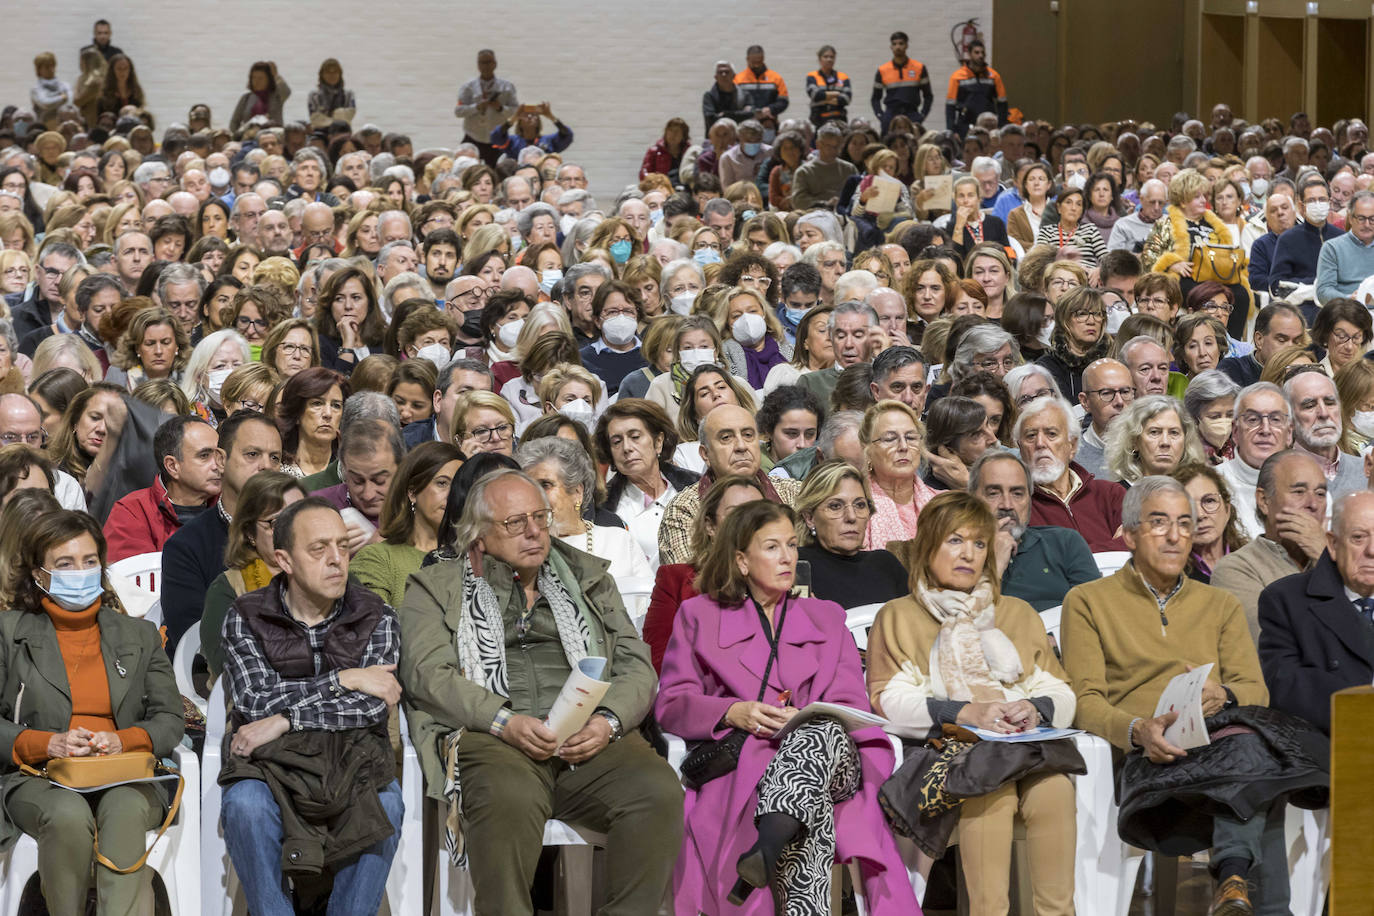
(440, 699)
(144, 694)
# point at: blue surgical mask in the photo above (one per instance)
(750, 149)
(748, 215)
(621, 250)
(75, 589)
(655, 217)
(548, 278)
(794, 316)
(704, 256)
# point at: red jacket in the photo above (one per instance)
(658, 160)
(672, 586)
(140, 522)
(1094, 511)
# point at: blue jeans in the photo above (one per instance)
(253, 835)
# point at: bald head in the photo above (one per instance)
(317, 224)
(522, 278)
(1107, 389)
(182, 203)
(20, 418)
(730, 441)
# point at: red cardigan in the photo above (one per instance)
(140, 522)
(658, 159)
(672, 586)
(1094, 511)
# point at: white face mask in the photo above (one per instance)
(1317, 211)
(1363, 421)
(219, 177)
(509, 332)
(214, 381)
(1116, 316)
(1076, 181)
(579, 411)
(682, 305)
(566, 223)
(1046, 332)
(619, 330)
(690, 359)
(748, 329)
(438, 354)
(1260, 187)
(548, 278)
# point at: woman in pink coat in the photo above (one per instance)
(791, 808)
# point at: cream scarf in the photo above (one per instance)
(976, 659)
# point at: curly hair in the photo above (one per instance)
(126, 353)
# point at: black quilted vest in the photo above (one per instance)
(284, 641)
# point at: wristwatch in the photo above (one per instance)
(617, 732)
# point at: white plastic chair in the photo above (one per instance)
(144, 569)
(218, 884)
(634, 594)
(176, 857)
(859, 620)
(1109, 561)
(182, 661)
(1308, 840)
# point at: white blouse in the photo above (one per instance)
(644, 516)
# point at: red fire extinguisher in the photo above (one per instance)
(961, 36)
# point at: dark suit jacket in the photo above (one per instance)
(1312, 642)
(416, 433)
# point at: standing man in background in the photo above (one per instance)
(100, 40)
(901, 86)
(484, 104)
(828, 89)
(973, 89)
(761, 91)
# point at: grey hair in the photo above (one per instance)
(1205, 388)
(835, 426)
(296, 206)
(576, 194)
(829, 129)
(1122, 457)
(1016, 377)
(1256, 389)
(674, 267)
(392, 215)
(1137, 341)
(378, 166)
(7, 332)
(979, 341)
(524, 220)
(578, 271)
(1269, 476)
(676, 251)
(238, 202)
(975, 470)
(149, 170)
(462, 364)
(829, 246)
(824, 220)
(581, 232)
(1182, 141)
(367, 405)
(853, 307)
(309, 152)
(1338, 510)
(718, 206)
(864, 280)
(732, 123)
(1134, 503)
(384, 254)
(1040, 405)
(476, 517)
(573, 463)
(407, 278)
(777, 248)
(506, 182)
(983, 164)
(1288, 385)
(403, 172)
(328, 265)
(179, 273)
(1361, 196)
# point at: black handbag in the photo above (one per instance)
(714, 758)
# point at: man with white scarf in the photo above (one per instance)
(489, 638)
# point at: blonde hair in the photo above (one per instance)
(471, 401)
(278, 272)
(560, 375)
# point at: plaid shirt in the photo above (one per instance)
(680, 518)
(317, 703)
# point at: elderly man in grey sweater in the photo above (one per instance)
(1345, 262)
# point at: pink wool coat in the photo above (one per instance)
(716, 657)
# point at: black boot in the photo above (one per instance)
(759, 865)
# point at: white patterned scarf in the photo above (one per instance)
(975, 657)
(481, 646)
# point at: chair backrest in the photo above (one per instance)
(859, 620)
(634, 594)
(216, 715)
(1051, 618)
(144, 569)
(1110, 561)
(182, 661)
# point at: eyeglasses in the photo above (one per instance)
(1160, 525)
(1087, 315)
(890, 440)
(1211, 503)
(1061, 283)
(249, 404)
(1111, 394)
(291, 349)
(37, 440)
(243, 323)
(992, 365)
(1222, 308)
(1340, 338)
(1029, 396)
(1363, 220)
(492, 433)
(1252, 421)
(473, 295)
(761, 282)
(616, 313)
(1152, 301)
(517, 525)
(834, 508)
(19, 271)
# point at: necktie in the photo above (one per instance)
(1366, 608)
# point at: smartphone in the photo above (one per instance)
(529, 109)
(801, 584)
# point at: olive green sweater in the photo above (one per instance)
(1120, 655)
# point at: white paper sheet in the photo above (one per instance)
(851, 718)
(943, 186)
(1035, 734)
(578, 699)
(1184, 696)
(889, 192)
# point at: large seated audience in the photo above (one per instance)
(427, 429)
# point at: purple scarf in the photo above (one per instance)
(760, 361)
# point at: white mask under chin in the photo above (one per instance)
(579, 411)
(508, 334)
(1363, 421)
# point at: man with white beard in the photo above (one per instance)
(1317, 430)
(1065, 493)
(1263, 426)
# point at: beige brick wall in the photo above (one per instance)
(613, 72)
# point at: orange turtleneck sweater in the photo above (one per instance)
(78, 638)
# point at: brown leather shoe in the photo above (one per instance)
(1231, 899)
